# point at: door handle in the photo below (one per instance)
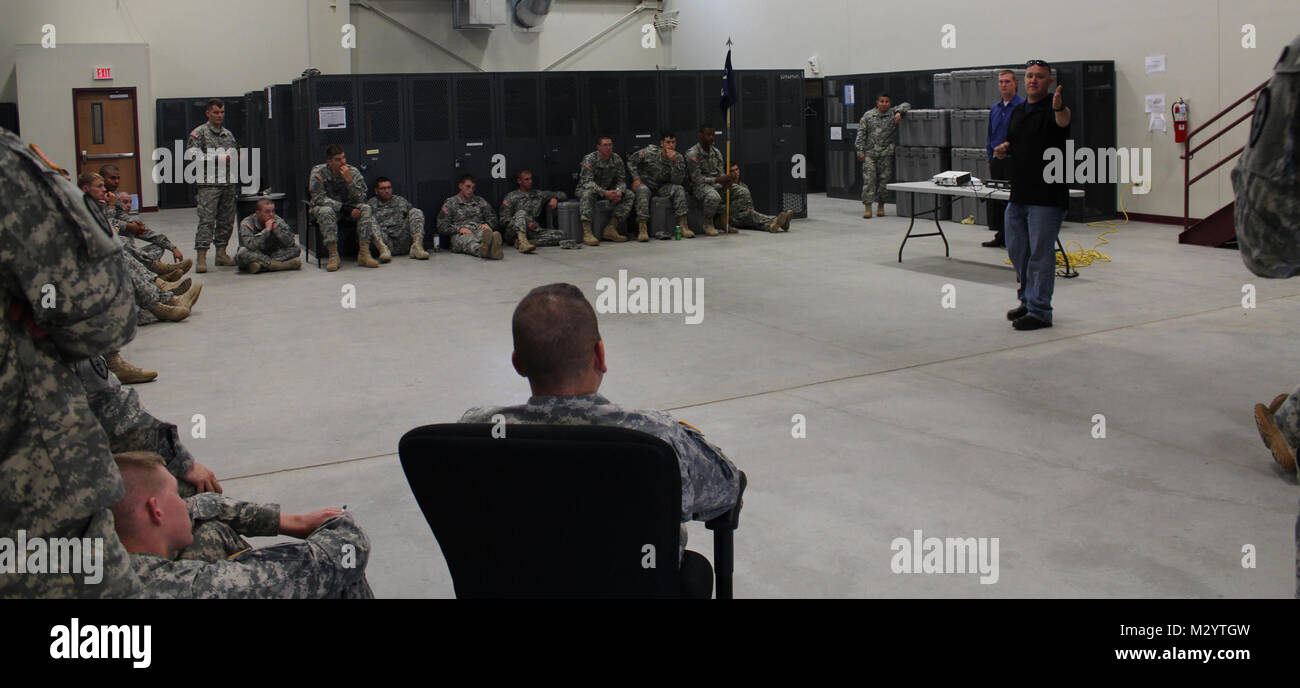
(105, 156)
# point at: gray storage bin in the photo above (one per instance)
(973, 160)
(919, 164)
(662, 218)
(945, 95)
(924, 128)
(569, 220)
(976, 88)
(970, 128)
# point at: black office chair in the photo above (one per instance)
(560, 511)
(314, 242)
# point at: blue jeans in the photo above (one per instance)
(1031, 232)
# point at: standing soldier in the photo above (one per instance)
(743, 214)
(400, 224)
(660, 171)
(338, 192)
(266, 243)
(877, 136)
(216, 187)
(704, 164)
(519, 213)
(602, 177)
(470, 222)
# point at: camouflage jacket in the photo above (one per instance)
(391, 215)
(741, 198)
(245, 518)
(254, 237)
(457, 212)
(327, 187)
(878, 132)
(66, 296)
(710, 482)
(215, 145)
(651, 167)
(529, 203)
(599, 175)
(119, 218)
(704, 166)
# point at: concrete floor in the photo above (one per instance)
(918, 417)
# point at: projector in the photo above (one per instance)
(951, 178)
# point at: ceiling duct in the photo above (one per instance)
(531, 13)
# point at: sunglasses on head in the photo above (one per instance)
(1039, 63)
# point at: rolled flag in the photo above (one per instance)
(728, 86)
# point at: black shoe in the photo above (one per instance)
(1029, 322)
(1017, 313)
(993, 244)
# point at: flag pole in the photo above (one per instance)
(726, 222)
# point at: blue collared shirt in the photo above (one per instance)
(999, 118)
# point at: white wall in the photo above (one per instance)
(1201, 39)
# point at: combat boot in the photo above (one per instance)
(880, 209)
(333, 263)
(587, 237)
(363, 256)
(176, 288)
(522, 243)
(866, 210)
(222, 258)
(494, 246)
(775, 226)
(167, 313)
(385, 256)
(126, 373)
(709, 229)
(611, 232)
(294, 263)
(686, 228)
(641, 233)
(201, 260)
(785, 219)
(253, 268)
(417, 248)
(162, 268)
(189, 298)
(171, 276)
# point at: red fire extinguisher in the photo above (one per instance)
(1180, 121)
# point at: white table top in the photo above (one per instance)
(966, 190)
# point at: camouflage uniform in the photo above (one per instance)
(218, 524)
(1267, 210)
(703, 167)
(519, 208)
(316, 568)
(57, 476)
(456, 213)
(710, 482)
(595, 177)
(398, 221)
(147, 292)
(156, 243)
(877, 136)
(329, 194)
(659, 177)
(743, 214)
(215, 195)
(256, 245)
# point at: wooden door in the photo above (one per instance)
(107, 133)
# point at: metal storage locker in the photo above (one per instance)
(383, 132)
(519, 133)
(474, 140)
(171, 125)
(642, 102)
(789, 137)
(603, 113)
(432, 167)
(564, 138)
(680, 108)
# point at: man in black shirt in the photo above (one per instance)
(1038, 204)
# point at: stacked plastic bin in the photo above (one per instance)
(974, 91)
(924, 139)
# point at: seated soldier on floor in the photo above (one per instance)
(743, 214)
(154, 524)
(338, 192)
(266, 242)
(130, 227)
(520, 211)
(401, 224)
(470, 222)
(558, 348)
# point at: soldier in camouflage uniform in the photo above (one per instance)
(704, 166)
(154, 523)
(602, 178)
(401, 224)
(877, 136)
(659, 171)
(65, 296)
(130, 227)
(520, 210)
(220, 524)
(555, 325)
(338, 192)
(470, 222)
(266, 242)
(743, 214)
(215, 195)
(1267, 216)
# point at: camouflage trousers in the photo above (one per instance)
(673, 191)
(469, 243)
(246, 257)
(328, 221)
(1287, 419)
(588, 200)
(710, 196)
(539, 236)
(146, 253)
(216, 205)
(398, 236)
(147, 293)
(877, 170)
(751, 219)
(214, 541)
(119, 578)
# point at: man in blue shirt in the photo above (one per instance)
(999, 118)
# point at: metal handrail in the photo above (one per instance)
(1188, 151)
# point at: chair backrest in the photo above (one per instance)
(549, 510)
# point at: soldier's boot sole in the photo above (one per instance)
(385, 256)
(222, 258)
(333, 263)
(775, 226)
(363, 256)
(291, 264)
(417, 248)
(172, 276)
(189, 298)
(177, 288)
(160, 268)
(1273, 439)
(785, 219)
(587, 237)
(642, 234)
(126, 373)
(167, 313)
(253, 268)
(184, 266)
(201, 260)
(496, 253)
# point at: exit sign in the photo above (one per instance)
(103, 72)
